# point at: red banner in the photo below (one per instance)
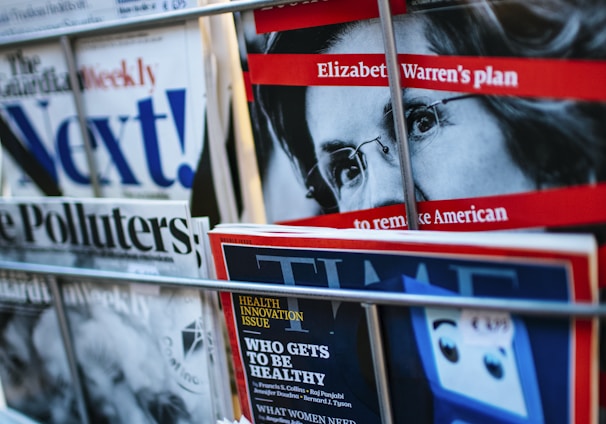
(312, 13)
(553, 78)
(571, 206)
(248, 86)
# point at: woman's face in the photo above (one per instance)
(457, 149)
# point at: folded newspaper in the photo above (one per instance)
(142, 350)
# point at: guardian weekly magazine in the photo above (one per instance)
(34, 369)
(142, 350)
(145, 119)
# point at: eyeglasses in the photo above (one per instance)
(339, 175)
(425, 118)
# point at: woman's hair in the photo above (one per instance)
(555, 142)
(284, 106)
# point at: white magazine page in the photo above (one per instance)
(18, 17)
(232, 112)
(145, 101)
(37, 105)
(147, 236)
(252, 197)
(141, 350)
(556, 242)
(34, 367)
(218, 95)
(217, 346)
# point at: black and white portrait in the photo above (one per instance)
(338, 142)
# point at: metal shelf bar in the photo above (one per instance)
(380, 367)
(523, 307)
(68, 346)
(70, 60)
(367, 299)
(401, 135)
(140, 21)
(395, 86)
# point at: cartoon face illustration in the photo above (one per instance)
(486, 373)
(474, 379)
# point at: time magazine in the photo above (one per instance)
(309, 359)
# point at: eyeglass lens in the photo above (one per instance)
(343, 171)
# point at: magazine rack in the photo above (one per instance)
(369, 300)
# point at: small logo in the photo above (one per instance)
(192, 338)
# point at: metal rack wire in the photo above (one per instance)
(370, 301)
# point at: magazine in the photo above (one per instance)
(254, 30)
(230, 124)
(320, 94)
(163, 115)
(41, 15)
(36, 110)
(146, 119)
(142, 349)
(34, 367)
(215, 325)
(309, 360)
